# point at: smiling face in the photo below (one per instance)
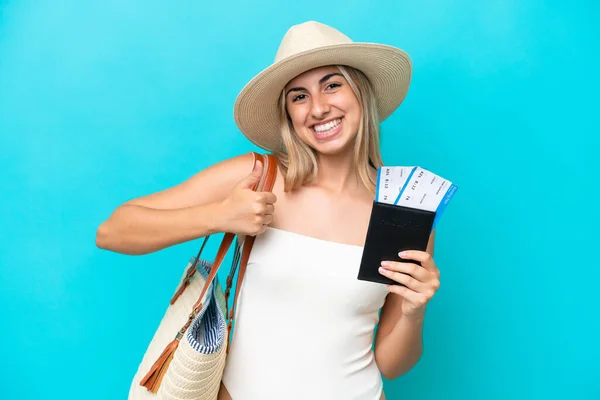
(324, 110)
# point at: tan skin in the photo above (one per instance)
(218, 199)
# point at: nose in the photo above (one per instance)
(320, 107)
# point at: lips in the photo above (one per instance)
(327, 129)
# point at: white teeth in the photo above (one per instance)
(325, 128)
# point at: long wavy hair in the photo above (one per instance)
(299, 161)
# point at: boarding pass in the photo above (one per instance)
(414, 187)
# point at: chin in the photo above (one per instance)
(333, 147)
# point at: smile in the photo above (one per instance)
(328, 128)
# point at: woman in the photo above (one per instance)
(305, 324)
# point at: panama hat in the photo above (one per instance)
(310, 45)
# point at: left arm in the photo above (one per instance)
(399, 343)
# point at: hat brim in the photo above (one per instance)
(256, 113)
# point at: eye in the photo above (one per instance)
(298, 97)
(333, 85)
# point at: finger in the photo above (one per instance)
(266, 197)
(254, 177)
(411, 296)
(267, 219)
(259, 209)
(262, 226)
(422, 256)
(404, 279)
(409, 268)
(269, 209)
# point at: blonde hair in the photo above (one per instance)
(299, 161)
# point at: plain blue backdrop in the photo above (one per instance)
(104, 101)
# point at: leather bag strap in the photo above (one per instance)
(270, 164)
(153, 378)
(265, 184)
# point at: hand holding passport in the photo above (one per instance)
(408, 204)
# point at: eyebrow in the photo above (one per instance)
(321, 81)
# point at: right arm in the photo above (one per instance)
(216, 199)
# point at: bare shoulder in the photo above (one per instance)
(209, 185)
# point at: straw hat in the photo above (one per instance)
(311, 45)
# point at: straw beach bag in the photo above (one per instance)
(186, 357)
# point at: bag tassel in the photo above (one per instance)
(154, 377)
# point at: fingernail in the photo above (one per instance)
(383, 270)
(402, 254)
(385, 263)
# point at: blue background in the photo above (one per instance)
(101, 102)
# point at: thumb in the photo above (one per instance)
(254, 177)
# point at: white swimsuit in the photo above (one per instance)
(304, 325)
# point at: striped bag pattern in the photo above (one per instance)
(190, 377)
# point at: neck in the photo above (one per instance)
(337, 172)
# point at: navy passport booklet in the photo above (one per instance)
(409, 201)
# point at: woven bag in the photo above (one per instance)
(186, 356)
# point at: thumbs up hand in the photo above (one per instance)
(245, 211)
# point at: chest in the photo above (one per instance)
(288, 266)
(340, 219)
